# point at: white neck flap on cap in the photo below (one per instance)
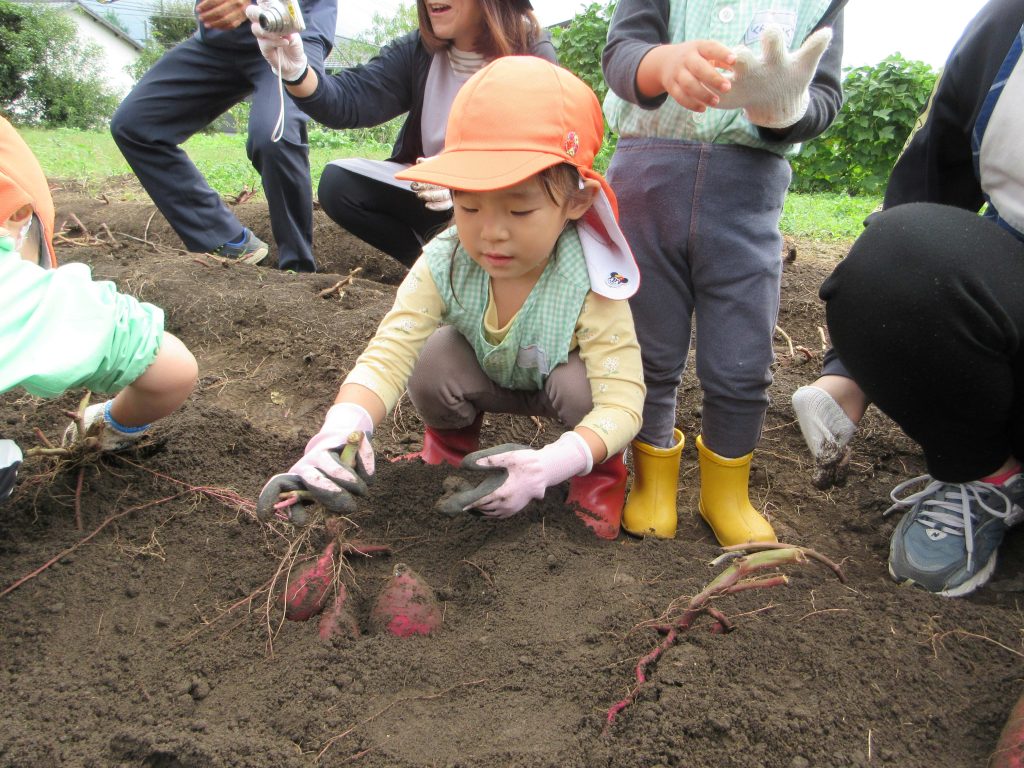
(613, 270)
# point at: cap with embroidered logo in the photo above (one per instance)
(510, 121)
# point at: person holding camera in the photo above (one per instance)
(186, 90)
(419, 74)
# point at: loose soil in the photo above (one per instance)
(156, 641)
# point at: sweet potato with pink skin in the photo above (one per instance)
(309, 585)
(1009, 751)
(338, 620)
(407, 605)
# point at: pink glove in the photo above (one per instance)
(284, 53)
(529, 472)
(320, 470)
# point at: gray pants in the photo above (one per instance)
(702, 220)
(183, 93)
(449, 388)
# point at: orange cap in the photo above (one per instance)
(22, 182)
(511, 120)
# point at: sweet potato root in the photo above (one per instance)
(309, 585)
(407, 605)
(338, 620)
(1009, 751)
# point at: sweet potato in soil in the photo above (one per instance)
(406, 606)
(121, 653)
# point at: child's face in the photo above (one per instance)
(511, 232)
(12, 229)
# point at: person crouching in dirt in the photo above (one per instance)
(519, 308)
(926, 315)
(60, 329)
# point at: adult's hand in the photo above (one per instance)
(284, 53)
(221, 14)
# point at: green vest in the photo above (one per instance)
(540, 334)
(732, 24)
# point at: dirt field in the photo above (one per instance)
(155, 641)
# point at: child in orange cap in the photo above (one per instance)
(518, 308)
(59, 329)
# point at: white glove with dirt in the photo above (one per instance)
(827, 430)
(434, 197)
(99, 424)
(773, 89)
(284, 53)
(10, 460)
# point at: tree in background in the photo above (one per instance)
(170, 23)
(113, 19)
(383, 29)
(857, 153)
(47, 77)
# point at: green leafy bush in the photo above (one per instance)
(579, 46)
(856, 154)
(47, 77)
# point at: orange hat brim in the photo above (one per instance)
(480, 170)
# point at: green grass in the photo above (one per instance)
(826, 216)
(90, 157)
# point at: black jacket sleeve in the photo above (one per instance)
(937, 164)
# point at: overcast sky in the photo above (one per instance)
(924, 30)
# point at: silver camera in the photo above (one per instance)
(281, 16)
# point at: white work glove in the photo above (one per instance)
(528, 473)
(110, 436)
(284, 53)
(773, 90)
(10, 460)
(321, 470)
(434, 197)
(827, 430)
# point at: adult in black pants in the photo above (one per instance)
(186, 90)
(419, 74)
(926, 315)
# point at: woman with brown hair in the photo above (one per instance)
(419, 74)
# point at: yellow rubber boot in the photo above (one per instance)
(650, 508)
(725, 502)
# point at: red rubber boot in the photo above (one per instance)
(599, 496)
(447, 445)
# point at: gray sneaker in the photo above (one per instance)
(947, 542)
(251, 251)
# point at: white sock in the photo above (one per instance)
(825, 426)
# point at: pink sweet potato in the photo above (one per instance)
(1009, 751)
(309, 585)
(338, 620)
(407, 605)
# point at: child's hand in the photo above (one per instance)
(528, 473)
(326, 471)
(99, 424)
(688, 72)
(773, 89)
(10, 460)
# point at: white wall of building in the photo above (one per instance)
(118, 53)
